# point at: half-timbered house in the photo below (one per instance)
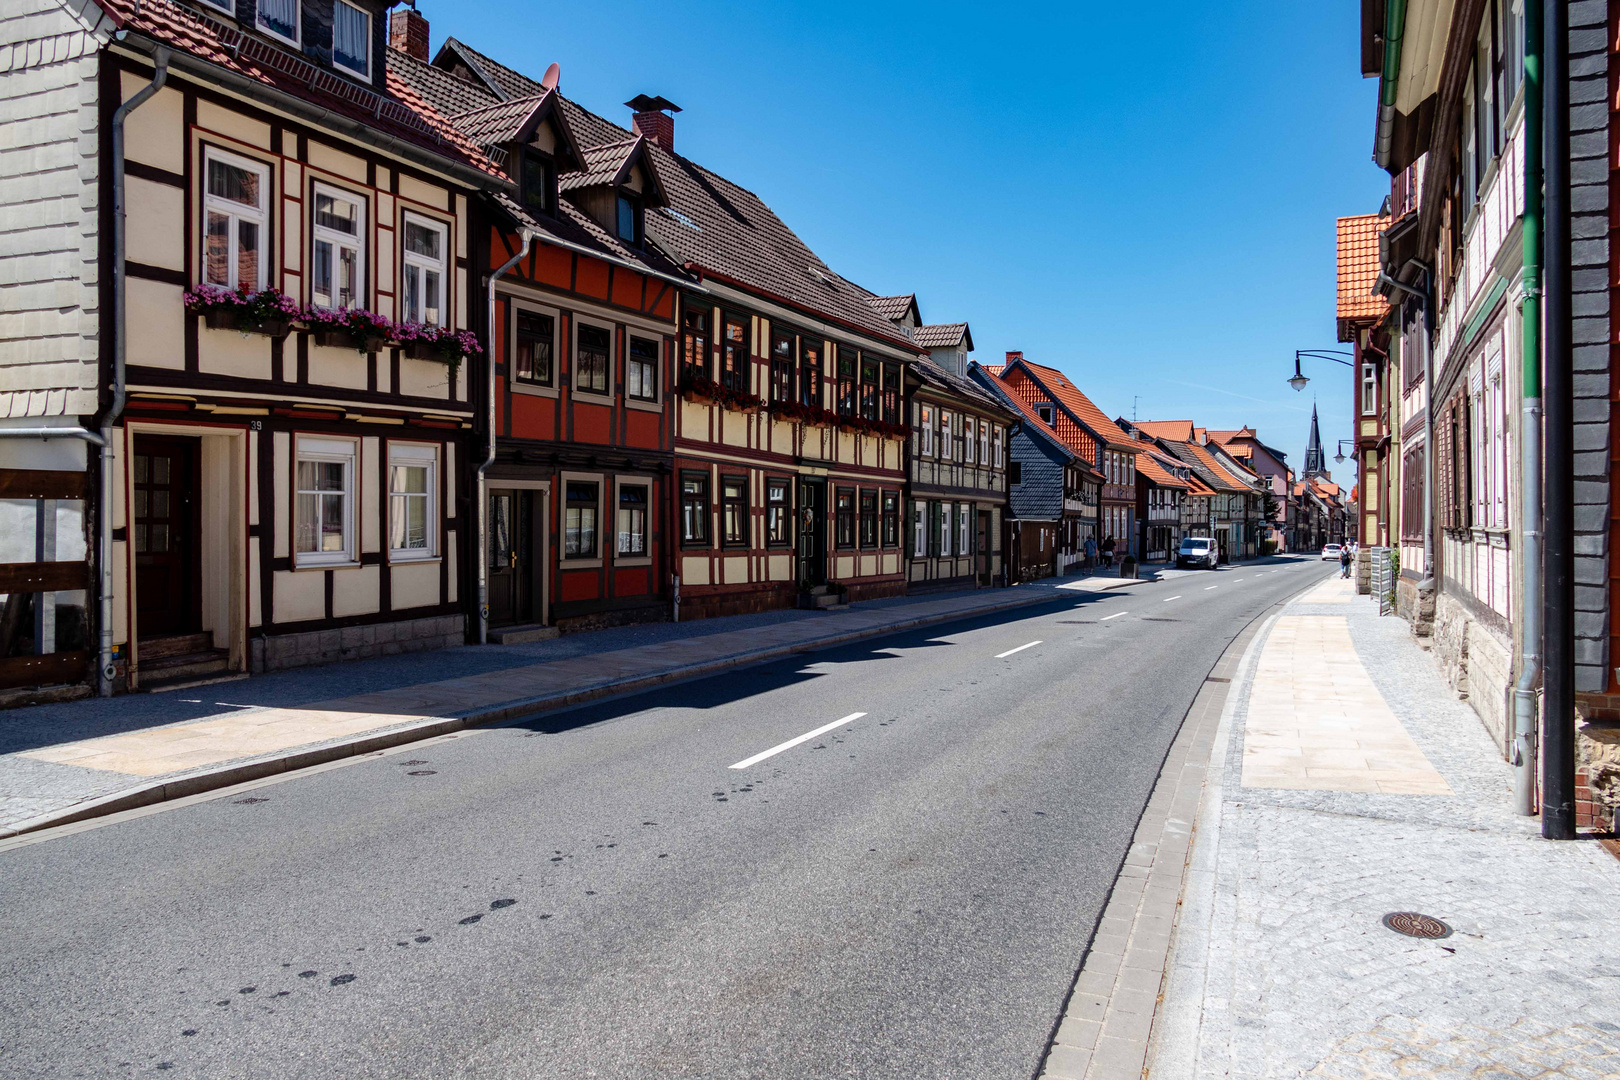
(283, 383)
(578, 493)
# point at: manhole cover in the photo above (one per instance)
(1414, 924)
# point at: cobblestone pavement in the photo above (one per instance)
(1281, 966)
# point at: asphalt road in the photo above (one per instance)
(598, 893)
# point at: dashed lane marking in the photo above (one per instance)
(791, 743)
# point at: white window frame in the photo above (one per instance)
(366, 74)
(327, 449)
(574, 326)
(414, 455)
(984, 442)
(969, 442)
(947, 451)
(997, 441)
(964, 518)
(297, 40)
(919, 529)
(321, 234)
(926, 429)
(410, 260)
(235, 211)
(223, 5)
(944, 529)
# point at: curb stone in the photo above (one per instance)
(245, 771)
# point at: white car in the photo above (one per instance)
(1198, 552)
(1331, 552)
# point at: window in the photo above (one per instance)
(323, 527)
(781, 365)
(1015, 473)
(734, 511)
(424, 271)
(964, 529)
(629, 219)
(891, 393)
(641, 369)
(869, 518)
(280, 17)
(1369, 389)
(593, 356)
(336, 273)
(235, 220)
(947, 449)
(351, 38)
(778, 513)
(734, 353)
(695, 509)
(997, 443)
(809, 372)
(579, 519)
(1046, 415)
(869, 388)
(942, 527)
(412, 485)
(925, 432)
(891, 519)
(844, 517)
(919, 529)
(538, 183)
(695, 344)
(984, 443)
(632, 519)
(536, 336)
(968, 443)
(846, 381)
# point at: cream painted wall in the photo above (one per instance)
(300, 595)
(695, 570)
(321, 156)
(371, 479)
(735, 569)
(232, 123)
(227, 352)
(424, 378)
(413, 585)
(427, 194)
(150, 228)
(333, 366)
(780, 567)
(155, 133)
(355, 591)
(157, 324)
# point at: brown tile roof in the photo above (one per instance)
(724, 230)
(1066, 393)
(499, 122)
(610, 163)
(573, 226)
(446, 93)
(1358, 267)
(893, 308)
(933, 374)
(1151, 467)
(400, 112)
(1173, 430)
(940, 335)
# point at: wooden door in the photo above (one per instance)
(511, 563)
(812, 532)
(166, 531)
(982, 547)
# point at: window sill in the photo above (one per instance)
(643, 406)
(604, 397)
(632, 560)
(412, 560)
(580, 564)
(298, 567)
(532, 389)
(696, 545)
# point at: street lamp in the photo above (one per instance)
(1299, 378)
(1339, 457)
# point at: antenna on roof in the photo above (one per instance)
(552, 77)
(1134, 399)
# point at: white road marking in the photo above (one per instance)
(1114, 616)
(1237, 579)
(1021, 648)
(791, 743)
(1212, 587)
(1170, 598)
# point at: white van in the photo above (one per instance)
(1199, 553)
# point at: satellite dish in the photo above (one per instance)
(552, 77)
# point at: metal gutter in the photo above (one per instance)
(1527, 627)
(1394, 33)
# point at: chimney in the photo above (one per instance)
(408, 32)
(1011, 356)
(653, 119)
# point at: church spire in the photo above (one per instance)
(1315, 460)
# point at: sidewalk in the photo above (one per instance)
(1338, 782)
(80, 759)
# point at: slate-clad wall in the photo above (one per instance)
(1589, 229)
(1039, 495)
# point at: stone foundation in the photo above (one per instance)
(1475, 663)
(279, 652)
(602, 620)
(1597, 763)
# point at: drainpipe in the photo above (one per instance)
(482, 555)
(1528, 625)
(1558, 599)
(160, 75)
(1394, 34)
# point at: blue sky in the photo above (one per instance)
(1141, 194)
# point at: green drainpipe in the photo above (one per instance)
(1528, 624)
(1394, 32)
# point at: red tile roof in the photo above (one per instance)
(1149, 465)
(401, 112)
(1024, 395)
(1174, 430)
(1358, 267)
(1066, 393)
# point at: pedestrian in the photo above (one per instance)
(1091, 553)
(1344, 562)
(1108, 550)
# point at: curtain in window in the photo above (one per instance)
(280, 16)
(350, 32)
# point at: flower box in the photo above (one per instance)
(268, 311)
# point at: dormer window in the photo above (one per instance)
(629, 219)
(351, 39)
(1046, 415)
(280, 18)
(539, 184)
